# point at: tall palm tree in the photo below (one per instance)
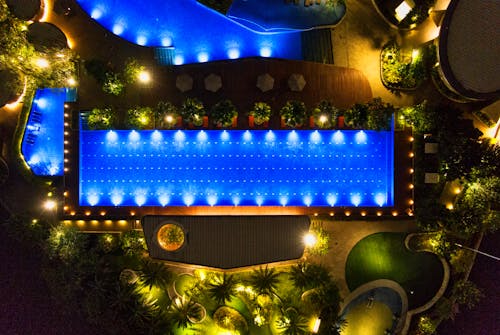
(223, 289)
(309, 275)
(291, 322)
(265, 280)
(155, 274)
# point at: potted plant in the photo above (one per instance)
(325, 115)
(166, 115)
(140, 118)
(260, 114)
(193, 111)
(293, 114)
(224, 114)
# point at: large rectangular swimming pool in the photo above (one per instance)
(236, 168)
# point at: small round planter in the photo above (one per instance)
(170, 237)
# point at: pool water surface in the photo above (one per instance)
(236, 168)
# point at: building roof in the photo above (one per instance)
(468, 52)
(230, 241)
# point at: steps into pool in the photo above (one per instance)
(165, 55)
(317, 46)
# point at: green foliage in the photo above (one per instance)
(113, 84)
(223, 288)
(325, 114)
(265, 280)
(107, 243)
(400, 70)
(461, 260)
(192, 110)
(154, 273)
(379, 115)
(132, 70)
(307, 276)
(294, 113)
(261, 112)
(291, 322)
(17, 54)
(422, 118)
(223, 112)
(230, 319)
(426, 326)
(467, 293)
(166, 115)
(183, 311)
(66, 244)
(321, 247)
(140, 118)
(99, 119)
(356, 116)
(133, 243)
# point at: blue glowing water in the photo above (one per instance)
(236, 168)
(43, 141)
(275, 15)
(197, 33)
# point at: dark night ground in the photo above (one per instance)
(485, 318)
(26, 308)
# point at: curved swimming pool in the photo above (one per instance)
(236, 168)
(195, 32)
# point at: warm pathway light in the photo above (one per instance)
(50, 204)
(323, 119)
(144, 77)
(71, 81)
(317, 323)
(42, 63)
(310, 240)
(449, 206)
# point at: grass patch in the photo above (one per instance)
(384, 256)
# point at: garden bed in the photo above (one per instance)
(402, 69)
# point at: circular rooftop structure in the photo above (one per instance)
(468, 48)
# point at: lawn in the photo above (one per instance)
(365, 320)
(384, 256)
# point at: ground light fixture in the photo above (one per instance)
(50, 204)
(144, 77)
(317, 323)
(310, 240)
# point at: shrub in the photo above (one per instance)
(113, 84)
(132, 70)
(166, 115)
(261, 112)
(101, 118)
(193, 111)
(325, 114)
(230, 319)
(140, 118)
(65, 243)
(294, 113)
(223, 113)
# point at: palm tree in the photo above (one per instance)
(265, 280)
(291, 322)
(223, 289)
(155, 274)
(309, 275)
(182, 311)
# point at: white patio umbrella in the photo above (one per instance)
(296, 82)
(213, 82)
(184, 82)
(265, 82)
